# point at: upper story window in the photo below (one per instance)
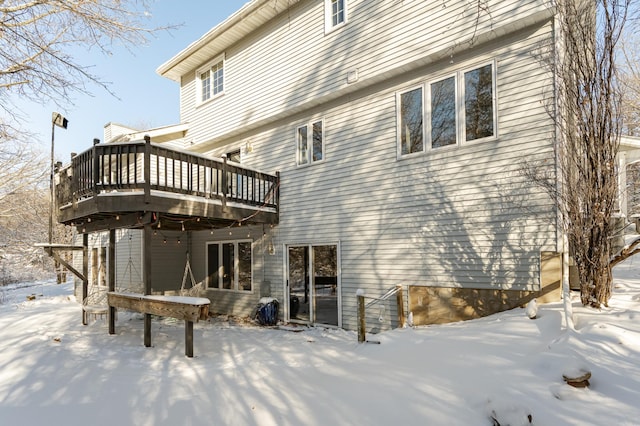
(460, 108)
(411, 132)
(335, 13)
(310, 143)
(210, 80)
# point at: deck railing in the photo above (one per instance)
(143, 166)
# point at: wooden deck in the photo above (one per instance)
(115, 185)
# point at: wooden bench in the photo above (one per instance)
(189, 309)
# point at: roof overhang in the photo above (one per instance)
(157, 135)
(249, 18)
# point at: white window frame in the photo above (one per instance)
(399, 121)
(428, 111)
(460, 125)
(209, 67)
(328, 16)
(494, 101)
(236, 265)
(309, 153)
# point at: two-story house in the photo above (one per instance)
(331, 146)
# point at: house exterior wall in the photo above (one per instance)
(229, 301)
(128, 267)
(461, 217)
(290, 64)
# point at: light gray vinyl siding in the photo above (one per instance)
(229, 301)
(129, 276)
(463, 216)
(289, 64)
(460, 217)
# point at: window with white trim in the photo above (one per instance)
(443, 112)
(479, 103)
(411, 121)
(460, 108)
(310, 143)
(229, 265)
(335, 14)
(210, 80)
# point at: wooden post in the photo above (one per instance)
(97, 174)
(400, 299)
(85, 273)
(112, 278)
(188, 338)
(361, 320)
(276, 197)
(147, 330)
(146, 272)
(147, 168)
(225, 181)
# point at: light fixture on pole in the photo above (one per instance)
(56, 120)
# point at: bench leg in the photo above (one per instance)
(112, 320)
(147, 330)
(188, 338)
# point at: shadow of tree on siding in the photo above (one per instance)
(424, 233)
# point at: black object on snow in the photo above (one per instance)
(267, 313)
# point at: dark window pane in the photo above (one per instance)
(213, 266)
(205, 85)
(302, 145)
(218, 78)
(325, 278)
(228, 275)
(244, 266)
(478, 103)
(337, 12)
(317, 141)
(411, 137)
(443, 113)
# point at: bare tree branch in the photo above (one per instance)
(587, 116)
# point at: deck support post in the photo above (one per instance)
(188, 338)
(85, 273)
(146, 272)
(147, 168)
(112, 278)
(361, 320)
(225, 181)
(400, 301)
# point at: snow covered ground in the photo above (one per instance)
(55, 371)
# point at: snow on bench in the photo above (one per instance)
(189, 309)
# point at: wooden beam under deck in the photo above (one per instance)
(129, 210)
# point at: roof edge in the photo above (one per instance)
(249, 7)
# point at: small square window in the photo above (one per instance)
(210, 80)
(335, 12)
(310, 143)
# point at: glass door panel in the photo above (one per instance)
(298, 260)
(325, 284)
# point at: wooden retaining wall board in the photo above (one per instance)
(439, 305)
